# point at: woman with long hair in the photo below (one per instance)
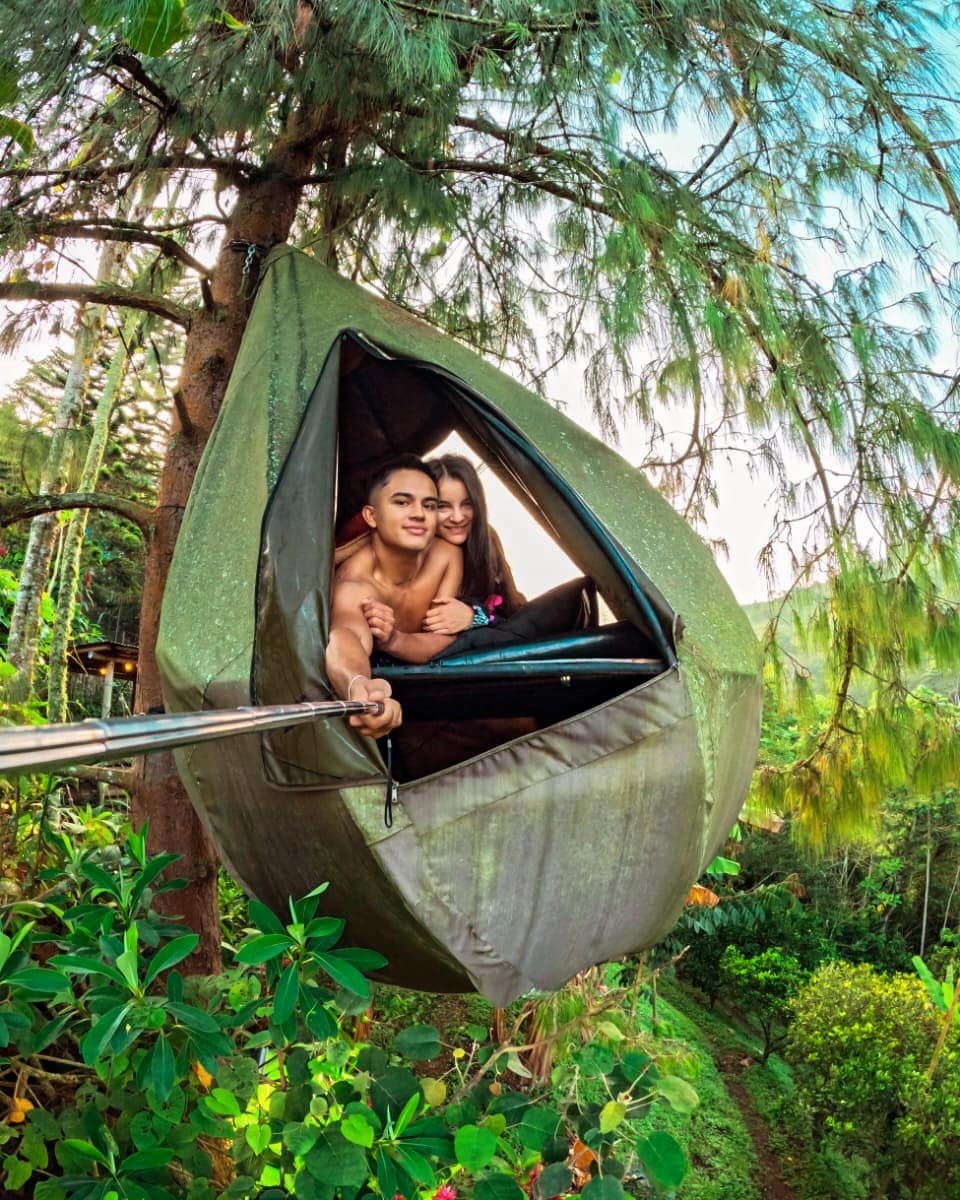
(488, 592)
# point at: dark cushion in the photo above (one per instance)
(563, 609)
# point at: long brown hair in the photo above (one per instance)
(485, 570)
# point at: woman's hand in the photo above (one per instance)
(381, 620)
(448, 616)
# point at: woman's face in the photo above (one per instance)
(455, 512)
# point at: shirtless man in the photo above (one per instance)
(382, 593)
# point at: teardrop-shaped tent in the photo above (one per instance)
(571, 844)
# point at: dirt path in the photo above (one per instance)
(773, 1185)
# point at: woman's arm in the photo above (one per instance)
(408, 647)
(448, 615)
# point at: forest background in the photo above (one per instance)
(740, 221)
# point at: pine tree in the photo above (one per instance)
(646, 180)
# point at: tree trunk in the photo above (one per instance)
(262, 217)
(25, 621)
(926, 887)
(69, 575)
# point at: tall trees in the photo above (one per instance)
(702, 201)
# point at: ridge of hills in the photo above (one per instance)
(937, 679)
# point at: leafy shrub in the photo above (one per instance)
(122, 1080)
(761, 986)
(751, 922)
(868, 1071)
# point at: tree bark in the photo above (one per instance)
(25, 621)
(69, 576)
(263, 217)
(23, 508)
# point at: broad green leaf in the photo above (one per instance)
(407, 1113)
(337, 1162)
(86, 1150)
(100, 878)
(38, 979)
(723, 866)
(603, 1187)
(929, 982)
(162, 1068)
(257, 1137)
(421, 1043)
(391, 1090)
(363, 960)
(78, 964)
(16, 1172)
(611, 1115)
(169, 955)
(555, 1179)
(498, 1187)
(285, 997)
(192, 1017)
(474, 1147)
(416, 1166)
(537, 1125)
(355, 1129)
(328, 929)
(154, 26)
(128, 963)
(151, 1159)
(223, 1102)
(22, 134)
(663, 1159)
(5, 948)
(342, 972)
(299, 1138)
(681, 1097)
(102, 1033)
(264, 918)
(386, 1174)
(263, 948)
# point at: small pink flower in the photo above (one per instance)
(493, 602)
(399, 1196)
(445, 1192)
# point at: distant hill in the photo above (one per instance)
(947, 683)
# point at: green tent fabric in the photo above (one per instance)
(569, 845)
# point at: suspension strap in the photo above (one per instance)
(390, 798)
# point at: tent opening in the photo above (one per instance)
(597, 636)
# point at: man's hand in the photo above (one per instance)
(448, 616)
(374, 690)
(381, 621)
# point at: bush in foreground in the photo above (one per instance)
(122, 1080)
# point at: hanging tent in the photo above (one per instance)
(569, 843)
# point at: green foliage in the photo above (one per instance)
(148, 26)
(871, 1076)
(761, 987)
(123, 1078)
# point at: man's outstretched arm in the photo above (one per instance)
(348, 661)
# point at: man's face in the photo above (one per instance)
(404, 511)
